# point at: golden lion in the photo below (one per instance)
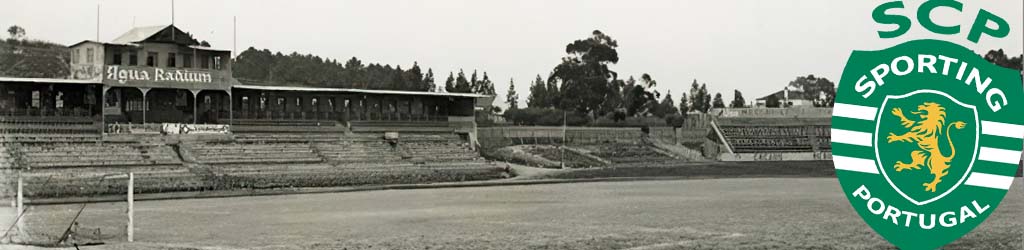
(926, 134)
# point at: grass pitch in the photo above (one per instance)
(768, 213)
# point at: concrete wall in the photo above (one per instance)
(504, 136)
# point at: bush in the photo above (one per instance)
(675, 120)
(545, 117)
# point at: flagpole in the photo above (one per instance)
(97, 22)
(172, 20)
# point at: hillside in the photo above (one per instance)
(39, 59)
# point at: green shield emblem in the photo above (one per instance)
(926, 139)
(930, 141)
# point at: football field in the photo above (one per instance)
(769, 213)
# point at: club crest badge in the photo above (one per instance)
(926, 138)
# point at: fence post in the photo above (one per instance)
(20, 203)
(131, 207)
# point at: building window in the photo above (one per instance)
(113, 98)
(59, 100)
(245, 103)
(133, 58)
(89, 53)
(204, 62)
(74, 55)
(117, 58)
(35, 99)
(134, 104)
(263, 102)
(172, 60)
(151, 59)
(186, 59)
(217, 63)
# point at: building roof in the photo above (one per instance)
(138, 34)
(794, 94)
(47, 80)
(365, 91)
(207, 48)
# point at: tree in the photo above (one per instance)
(485, 86)
(512, 98)
(462, 85)
(552, 95)
(538, 97)
(615, 101)
(706, 97)
(684, 104)
(666, 107)
(449, 85)
(819, 90)
(641, 99)
(16, 32)
(355, 72)
(998, 57)
(737, 100)
(412, 79)
(696, 103)
(474, 84)
(718, 102)
(584, 72)
(428, 80)
(204, 43)
(701, 98)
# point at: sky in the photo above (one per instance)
(754, 46)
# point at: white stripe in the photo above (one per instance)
(855, 164)
(1002, 129)
(854, 111)
(851, 137)
(999, 155)
(989, 181)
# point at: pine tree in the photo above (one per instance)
(553, 95)
(428, 80)
(474, 83)
(737, 100)
(667, 106)
(705, 98)
(485, 86)
(695, 101)
(512, 98)
(538, 94)
(684, 105)
(449, 85)
(718, 102)
(462, 85)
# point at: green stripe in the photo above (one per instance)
(1000, 142)
(853, 151)
(853, 124)
(995, 168)
(1002, 117)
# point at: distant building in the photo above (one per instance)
(789, 97)
(159, 65)
(162, 75)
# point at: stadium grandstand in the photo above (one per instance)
(771, 134)
(156, 103)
